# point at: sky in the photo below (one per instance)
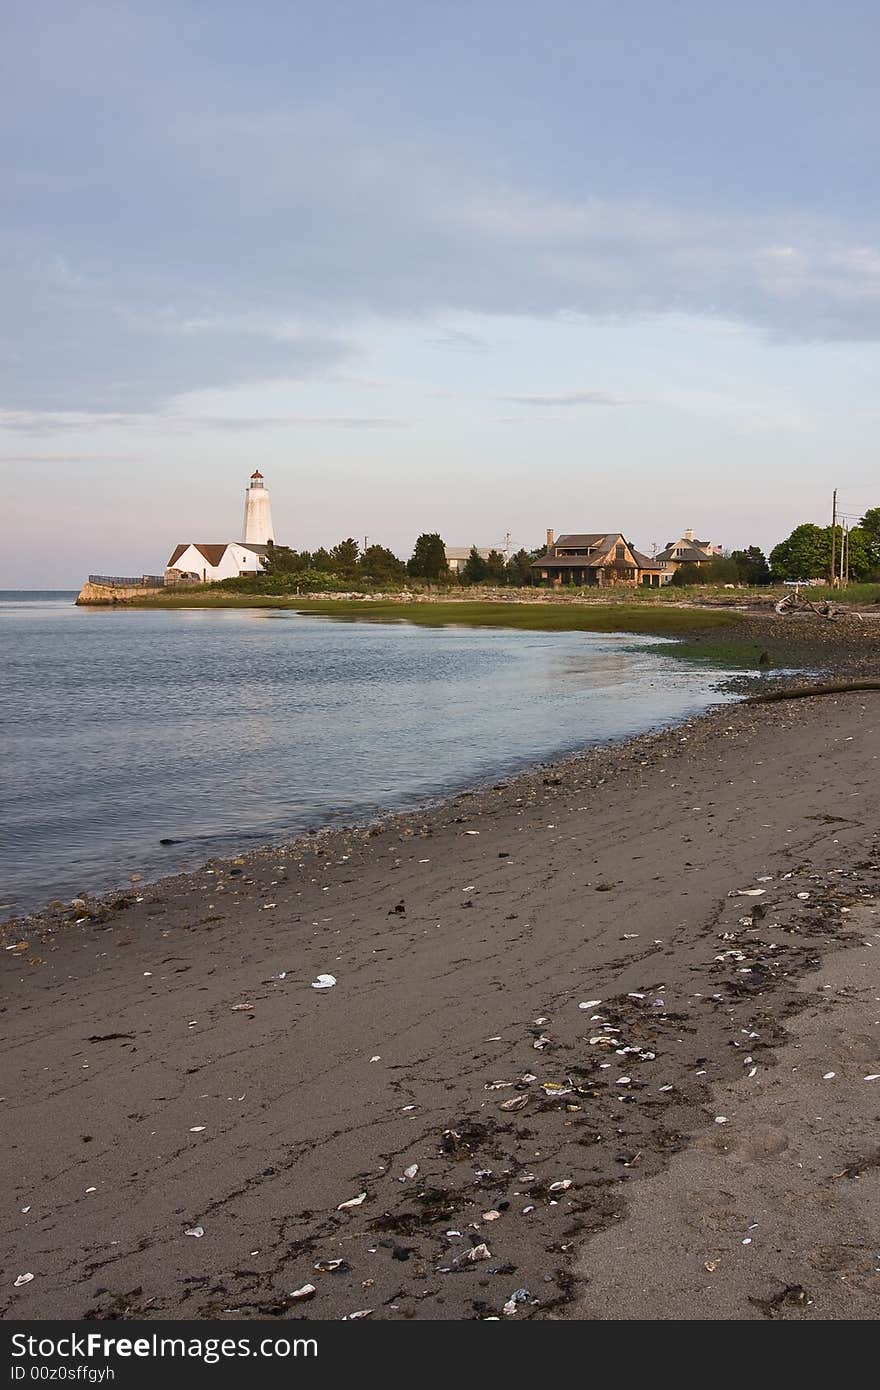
(480, 267)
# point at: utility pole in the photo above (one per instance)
(834, 538)
(844, 557)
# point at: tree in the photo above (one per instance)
(344, 558)
(519, 569)
(475, 569)
(280, 560)
(322, 562)
(870, 526)
(859, 561)
(496, 570)
(381, 566)
(429, 558)
(721, 569)
(688, 574)
(751, 565)
(805, 554)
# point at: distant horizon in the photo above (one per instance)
(75, 584)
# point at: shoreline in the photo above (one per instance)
(413, 916)
(97, 903)
(802, 655)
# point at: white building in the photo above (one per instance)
(210, 562)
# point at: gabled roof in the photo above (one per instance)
(212, 553)
(684, 540)
(600, 541)
(690, 554)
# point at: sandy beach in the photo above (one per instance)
(601, 1045)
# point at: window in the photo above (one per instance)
(619, 552)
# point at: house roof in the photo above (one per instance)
(570, 542)
(461, 552)
(212, 553)
(690, 554)
(601, 541)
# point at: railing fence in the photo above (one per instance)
(122, 581)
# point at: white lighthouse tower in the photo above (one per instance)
(257, 513)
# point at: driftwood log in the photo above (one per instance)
(803, 692)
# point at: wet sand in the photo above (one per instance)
(167, 1066)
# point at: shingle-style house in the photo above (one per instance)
(208, 563)
(598, 558)
(688, 551)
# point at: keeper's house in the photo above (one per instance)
(598, 559)
(208, 563)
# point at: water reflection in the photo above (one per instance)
(216, 729)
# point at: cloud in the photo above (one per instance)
(70, 458)
(793, 276)
(67, 421)
(172, 421)
(229, 233)
(548, 419)
(333, 422)
(458, 340)
(112, 337)
(75, 342)
(566, 398)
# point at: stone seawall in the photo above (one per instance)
(111, 593)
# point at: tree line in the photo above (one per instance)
(805, 554)
(377, 566)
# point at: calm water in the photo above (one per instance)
(227, 729)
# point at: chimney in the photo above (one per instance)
(549, 539)
(689, 535)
